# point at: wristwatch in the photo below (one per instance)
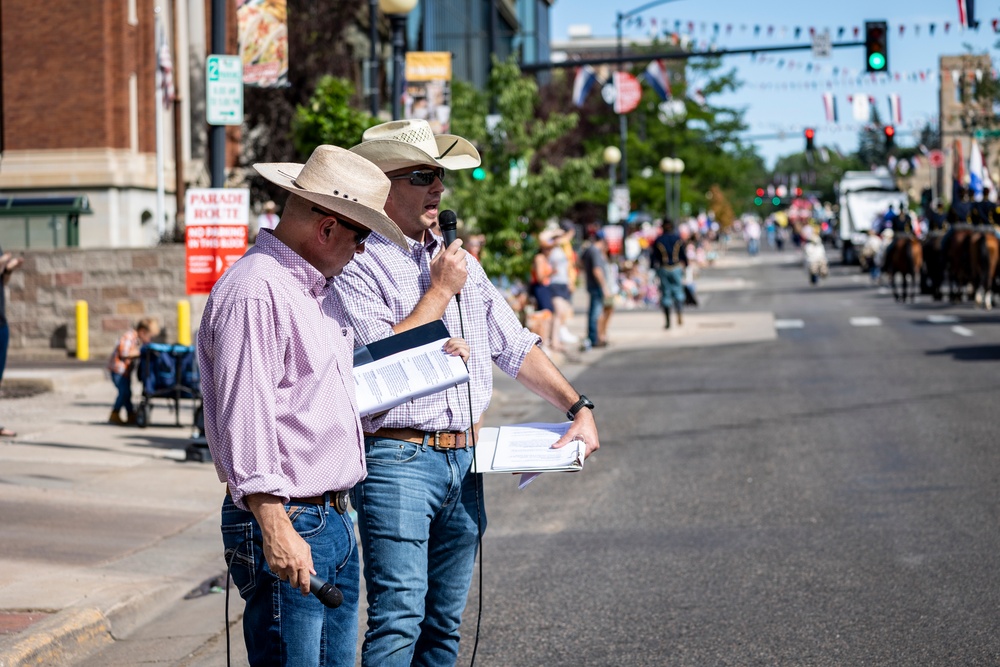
(582, 402)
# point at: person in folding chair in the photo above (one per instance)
(420, 509)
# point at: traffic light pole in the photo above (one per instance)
(676, 55)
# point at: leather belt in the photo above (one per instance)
(337, 500)
(439, 440)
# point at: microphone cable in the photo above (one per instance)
(479, 491)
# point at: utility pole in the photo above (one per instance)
(217, 133)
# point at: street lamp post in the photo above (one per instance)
(373, 56)
(397, 10)
(612, 156)
(679, 169)
(667, 167)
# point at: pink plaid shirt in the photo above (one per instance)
(276, 364)
(381, 287)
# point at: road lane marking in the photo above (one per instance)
(962, 331)
(942, 319)
(866, 322)
(789, 324)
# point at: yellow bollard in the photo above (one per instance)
(82, 332)
(184, 322)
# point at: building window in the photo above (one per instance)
(133, 112)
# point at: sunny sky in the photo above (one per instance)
(783, 92)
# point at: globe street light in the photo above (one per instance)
(397, 10)
(667, 167)
(612, 156)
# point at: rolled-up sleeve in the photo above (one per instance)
(509, 341)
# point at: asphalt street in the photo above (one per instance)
(828, 498)
(801, 476)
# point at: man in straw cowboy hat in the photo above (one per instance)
(280, 416)
(420, 508)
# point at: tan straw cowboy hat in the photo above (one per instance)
(405, 143)
(338, 180)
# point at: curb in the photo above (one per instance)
(113, 612)
(65, 637)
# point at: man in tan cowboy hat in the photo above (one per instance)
(420, 511)
(280, 416)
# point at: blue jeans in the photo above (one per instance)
(419, 522)
(671, 287)
(123, 382)
(280, 625)
(594, 313)
(4, 342)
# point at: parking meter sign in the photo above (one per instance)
(224, 90)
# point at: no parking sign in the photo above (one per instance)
(215, 235)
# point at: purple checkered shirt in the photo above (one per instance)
(276, 377)
(381, 288)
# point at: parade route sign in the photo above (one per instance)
(216, 234)
(224, 90)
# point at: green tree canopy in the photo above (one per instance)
(521, 190)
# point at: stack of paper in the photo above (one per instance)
(527, 448)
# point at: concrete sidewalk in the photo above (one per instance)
(105, 527)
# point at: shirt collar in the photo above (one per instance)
(302, 272)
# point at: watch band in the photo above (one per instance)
(581, 403)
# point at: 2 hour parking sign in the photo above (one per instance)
(224, 90)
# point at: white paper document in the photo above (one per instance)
(410, 373)
(527, 448)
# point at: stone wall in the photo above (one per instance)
(120, 287)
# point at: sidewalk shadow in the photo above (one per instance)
(969, 353)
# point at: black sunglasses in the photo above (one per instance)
(423, 177)
(360, 233)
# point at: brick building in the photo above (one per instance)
(78, 111)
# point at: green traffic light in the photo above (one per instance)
(876, 61)
(758, 201)
(479, 173)
(776, 201)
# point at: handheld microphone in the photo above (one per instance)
(325, 592)
(448, 222)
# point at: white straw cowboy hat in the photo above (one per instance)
(405, 143)
(338, 180)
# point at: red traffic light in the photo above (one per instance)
(890, 131)
(810, 133)
(760, 192)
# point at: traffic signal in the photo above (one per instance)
(890, 136)
(810, 134)
(478, 174)
(876, 46)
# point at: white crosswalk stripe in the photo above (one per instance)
(789, 324)
(962, 331)
(866, 321)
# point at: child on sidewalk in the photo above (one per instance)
(123, 362)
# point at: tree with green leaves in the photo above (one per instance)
(328, 118)
(704, 135)
(521, 190)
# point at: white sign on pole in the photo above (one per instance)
(822, 44)
(224, 90)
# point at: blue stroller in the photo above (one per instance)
(170, 372)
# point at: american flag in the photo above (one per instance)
(166, 69)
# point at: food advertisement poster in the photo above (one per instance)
(263, 33)
(428, 88)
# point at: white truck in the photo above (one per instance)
(863, 197)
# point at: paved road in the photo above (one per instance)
(825, 495)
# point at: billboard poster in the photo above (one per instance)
(263, 35)
(428, 88)
(218, 220)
